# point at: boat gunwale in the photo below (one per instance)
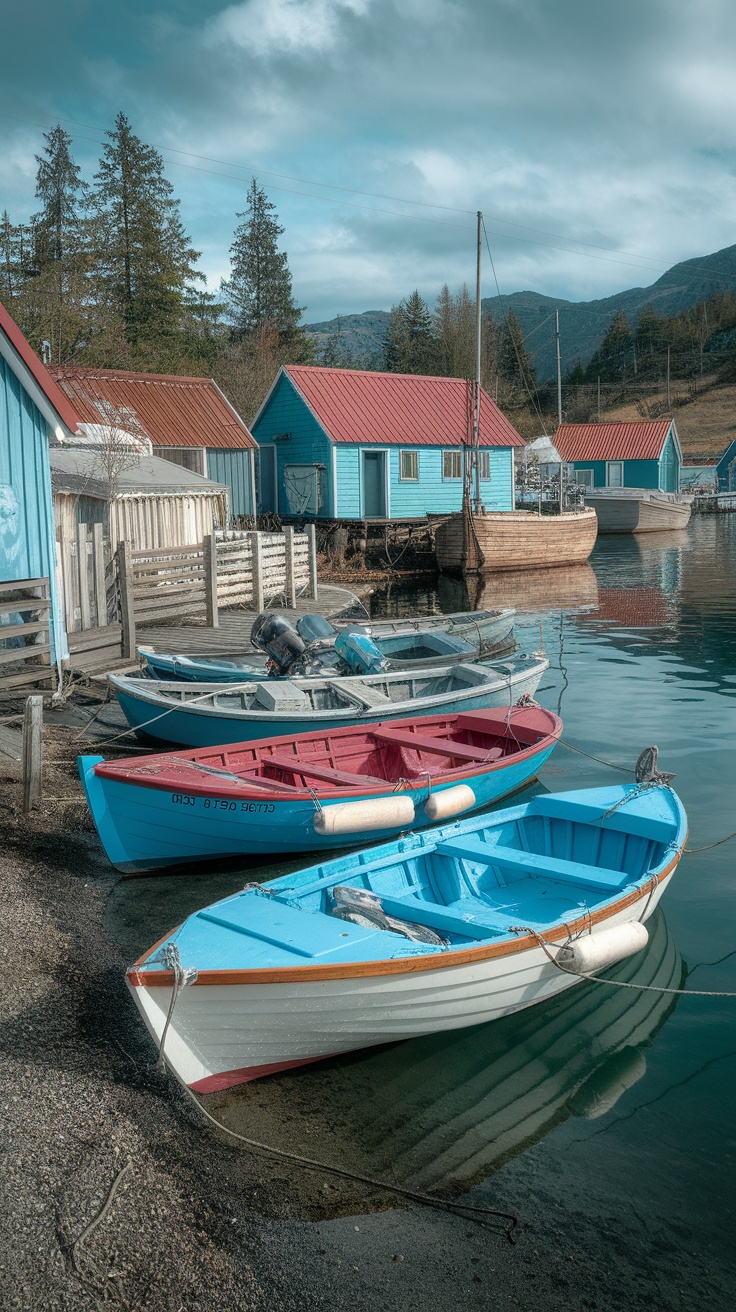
(138, 978)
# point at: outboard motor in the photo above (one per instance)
(360, 652)
(275, 635)
(316, 631)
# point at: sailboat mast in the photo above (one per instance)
(476, 406)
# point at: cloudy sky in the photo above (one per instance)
(598, 139)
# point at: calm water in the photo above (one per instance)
(620, 1102)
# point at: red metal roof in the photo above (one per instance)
(171, 410)
(356, 405)
(614, 440)
(53, 394)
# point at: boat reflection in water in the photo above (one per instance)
(572, 587)
(450, 1108)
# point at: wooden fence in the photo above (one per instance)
(25, 644)
(243, 569)
(87, 577)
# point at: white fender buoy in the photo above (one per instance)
(593, 952)
(451, 801)
(600, 1093)
(394, 812)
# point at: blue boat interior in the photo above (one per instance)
(542, 864)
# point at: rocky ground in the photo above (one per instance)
(193, 1221)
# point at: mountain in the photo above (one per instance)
(582, 323)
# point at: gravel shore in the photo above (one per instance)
(196, 1222)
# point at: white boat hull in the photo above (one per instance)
(635, 510)
(226, 1034)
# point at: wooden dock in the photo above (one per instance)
(232, 636)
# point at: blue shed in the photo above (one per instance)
(726, 469)
(354, 444)
(33, 414)
(622, 453)
(188, 421)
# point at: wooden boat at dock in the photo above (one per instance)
(435, 931)
(494, 541)
(312, 792)
(639, 510)
(209, 714)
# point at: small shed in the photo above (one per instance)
(642, 454)
(153, 503)
(726, 469)
(34, 414)
(188, 421)
(353, 444)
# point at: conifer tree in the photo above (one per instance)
(514, 364)
(410, 346)
(454, 330)
(259, 292)
(62, 193)
(146, 255)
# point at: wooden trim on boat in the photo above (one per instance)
(400, 966)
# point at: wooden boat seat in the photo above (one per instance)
(480, 923)
(473, 848)
(443, 746)
(644, 826)
(364, 694)
(324, 772)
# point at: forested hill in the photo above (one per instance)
(582, 323)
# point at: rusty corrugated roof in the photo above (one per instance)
(54, 395)
(171, 410)
(613, 440)
(357, 405)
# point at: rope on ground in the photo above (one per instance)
(617, 983)
(467, 1210)
(74, 1245)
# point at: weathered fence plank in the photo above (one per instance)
(32, 745)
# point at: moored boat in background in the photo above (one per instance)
(492, 541)
(312, 792)
(639, 510)
(435, 931)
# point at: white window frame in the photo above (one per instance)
(588, 483)
(408, 478)
(485, 466)
(456, 455)
(611, 464)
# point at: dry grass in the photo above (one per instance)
(705, 425)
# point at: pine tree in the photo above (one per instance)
(454, 331)
(410, 346)
(147, 257)
(62, 193)
(609, 361)
(259, 291)
(514, 364)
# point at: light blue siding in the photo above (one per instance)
(27, 541)
(431, 492)
(301, 440)
(233, 467)
(669, 466)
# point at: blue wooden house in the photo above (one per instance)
(644, 454)
(188, 422)
(352, 444)
(33, 414)
(726, 469)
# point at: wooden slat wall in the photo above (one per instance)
(235, 566)
(25, 647)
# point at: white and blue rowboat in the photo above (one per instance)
(312, 792)
(403, 644)
(208, 715)
(435, 931)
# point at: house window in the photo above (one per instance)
(452, 464)
(586, 477)
(614, 473)
(485, 464)
(409, 466)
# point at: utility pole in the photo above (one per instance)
(559, 373)
(476, 410)
(668, 378)
(599, 398)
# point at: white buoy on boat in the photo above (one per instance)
(593, 952)
(451, 801)
(393, 812)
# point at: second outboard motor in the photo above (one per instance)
(360, 652)
(316, 629)
(276, 636)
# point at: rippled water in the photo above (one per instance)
(618, 1100)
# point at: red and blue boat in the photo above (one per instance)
(315, 790)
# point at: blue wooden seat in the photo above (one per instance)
(473, 848)
(559, 807)
(471, 918)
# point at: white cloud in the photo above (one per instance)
(296, 27)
